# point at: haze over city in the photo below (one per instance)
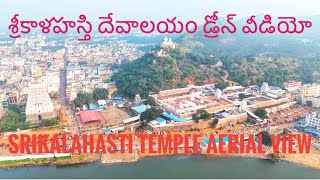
(154, 10)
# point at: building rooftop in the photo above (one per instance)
(140, 109)
(88, 116)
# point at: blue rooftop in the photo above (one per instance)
(314, 132)
(302, 122)
(101, 68)
(107, 131)
(224, 139)
(174, 118)
(160, 120)
(91, 107)
(140, 109)
(118, 97)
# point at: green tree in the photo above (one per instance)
(286, 131)
(222, 85)
(100, 93)
(242, 96)
(151, 114)
(196, 117)
(262, 113)
(214, 123)
(13, 121)
(266, 138)
(201, 114)
(14, 108)
(151, 101)
(309, 103)
(250, 121)
(49, 122)
(83, 98)
(205, 115)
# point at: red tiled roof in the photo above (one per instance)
(88, 116)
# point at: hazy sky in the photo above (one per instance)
(152, 9)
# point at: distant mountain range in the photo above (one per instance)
(306, 44)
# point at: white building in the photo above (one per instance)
(39, 104)
(315, 101)
(51, 81)
(313, 120)
(168, 43)
(311, 90)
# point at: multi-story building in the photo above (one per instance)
(313, 120)
(315, 101)
(292, 84)
(311, 90)
(51, 81)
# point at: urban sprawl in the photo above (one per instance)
(42, 80)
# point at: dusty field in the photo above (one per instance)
(113, 116)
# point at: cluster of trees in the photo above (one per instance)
(222, 85)
(262, 113)
(309, 103)
(201, 114)
(86, 98)
(151, 101)
(266, 138)
(151, 114)
(214, 123)
(152, 73)
(14, 119)
(242, 96)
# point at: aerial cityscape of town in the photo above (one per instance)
(160, 84)
(64, 91)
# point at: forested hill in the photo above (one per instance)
(176, 68)
(247, 59)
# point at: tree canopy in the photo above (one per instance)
(100, 93)
(151, 101)
(222, 85)
(262, 113)
(242, 96)
(151, 114)
(13, 121)
(201, 114)
(83, 98)
(266, 138)
(176, 69)
(309, 103)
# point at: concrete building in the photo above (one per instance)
(52, 81)
(39, 105)
(292, 85)
(313, 120)
(184, 102)
(315, 101)
(311, 90)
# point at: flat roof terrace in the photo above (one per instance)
(258, 99)
(186, 104)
